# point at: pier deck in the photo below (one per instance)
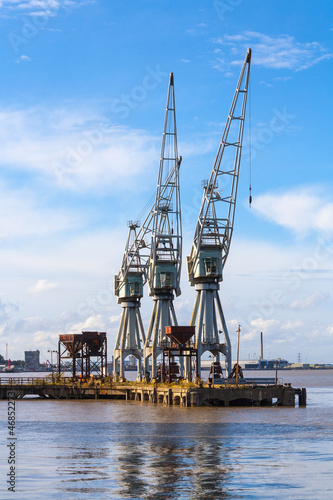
(254, 392)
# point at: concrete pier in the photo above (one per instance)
(228, 394)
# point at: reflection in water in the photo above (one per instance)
(160, 461)
(130, 471)
(182, 460)
(173, 461)
(213, 469)
(83, 465)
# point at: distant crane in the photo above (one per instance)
(166, 239)
(213, 232)
(140, 256)
(129, 289)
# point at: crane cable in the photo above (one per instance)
(145, 209)
(250, 148)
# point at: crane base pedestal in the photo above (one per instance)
(163, 315)
(130, 336)
(209, 317)
(119, 357)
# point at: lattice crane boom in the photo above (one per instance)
(138, 246)
(211, 230)
(166, 241)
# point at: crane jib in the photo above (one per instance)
(232, 139)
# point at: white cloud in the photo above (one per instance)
(292, 325)
(93, 323)
(22, 215)
(200, 145)
(44, 339)
(200, 29)
(36, 332)
(301, 210)
(23, 58)
(41, 7)
(266, 84)
(7, 312)
(251, 332)
(115, 318)
(276, 52)
(260, 325)
(43, 286)
(309, 302)
(79, 150)
(282, 78)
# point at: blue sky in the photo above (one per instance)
(82, 97)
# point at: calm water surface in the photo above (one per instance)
(117, 449)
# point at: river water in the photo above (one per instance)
(137, 450)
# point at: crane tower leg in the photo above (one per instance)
(163, 314)
(207, 310)
(129, 338)
(225, 334)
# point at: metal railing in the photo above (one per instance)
(245, 381)
(49, 380)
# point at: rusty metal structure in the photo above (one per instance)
(178, 345)
(83, 354)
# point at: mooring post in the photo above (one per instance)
(302, 397)
(170, 397)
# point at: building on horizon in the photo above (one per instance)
(31, 359)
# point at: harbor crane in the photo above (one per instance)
(214, 229)
(160, 227)
(129, 284)
(129, 289)
(166, 239)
